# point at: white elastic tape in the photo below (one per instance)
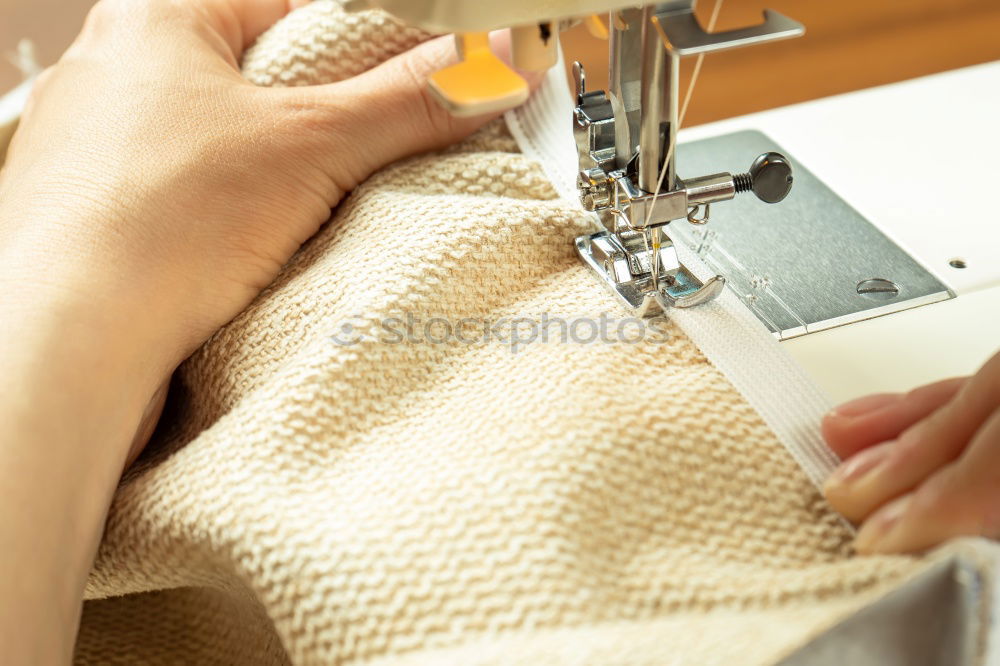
(543, 129)
(729, 335)
(742, 348)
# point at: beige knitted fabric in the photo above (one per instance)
(318, 502)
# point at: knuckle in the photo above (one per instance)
(106, 14)
(953, 498)
(304, 114)
(103, 21)
(316, 134)
(936, 503)
(126, 17)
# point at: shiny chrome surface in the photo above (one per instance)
(627, 168)
(660, 108)
(811, 263)
(684, 36)
(626, 272)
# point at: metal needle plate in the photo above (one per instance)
(807, 264)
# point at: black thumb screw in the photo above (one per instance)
(770, 178)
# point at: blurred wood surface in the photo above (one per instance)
(849, 45)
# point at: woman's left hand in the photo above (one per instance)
(150, 193)
(921, 467)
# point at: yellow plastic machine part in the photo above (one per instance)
(481, 83)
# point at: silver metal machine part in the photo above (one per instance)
(811, 263)
(626, 140)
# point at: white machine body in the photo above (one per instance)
(929, 191)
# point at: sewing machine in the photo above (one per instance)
(626, 137)
(820, 269)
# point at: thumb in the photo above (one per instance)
(389, 113)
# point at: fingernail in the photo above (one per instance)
(868, 403)
(877, 533)
(857, 466)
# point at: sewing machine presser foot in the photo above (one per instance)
(624, 266)
(626, 139)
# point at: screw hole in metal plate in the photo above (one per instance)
(878, 289)
(957, 263)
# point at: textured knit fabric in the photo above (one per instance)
(321, 493)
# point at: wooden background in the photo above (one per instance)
(849, 44)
